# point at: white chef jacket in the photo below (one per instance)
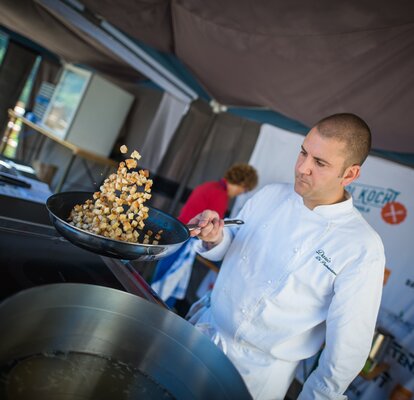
(293, 280)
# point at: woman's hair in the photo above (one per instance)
(243, 175)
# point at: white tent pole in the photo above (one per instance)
(122, 47)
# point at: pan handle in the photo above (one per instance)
(227, 222)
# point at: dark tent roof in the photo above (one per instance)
(302, 59)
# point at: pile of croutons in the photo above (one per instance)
(118, 211)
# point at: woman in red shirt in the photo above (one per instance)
(238, 179)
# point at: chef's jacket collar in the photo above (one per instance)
(332, 210)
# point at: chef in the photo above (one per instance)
(303, 274)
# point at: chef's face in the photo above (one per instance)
(321, 170)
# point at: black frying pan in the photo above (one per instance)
(175, 233)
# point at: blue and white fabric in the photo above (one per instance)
(173, 273)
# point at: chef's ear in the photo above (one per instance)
(351, 173)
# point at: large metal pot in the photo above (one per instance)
(77, 341)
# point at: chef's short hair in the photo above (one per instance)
(243, 175)
(350, 129)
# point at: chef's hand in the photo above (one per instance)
(210, 229)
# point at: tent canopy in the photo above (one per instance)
(298, 58)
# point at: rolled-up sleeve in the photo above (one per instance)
(216, 253)
(350, 327)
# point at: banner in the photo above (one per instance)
(384, 194)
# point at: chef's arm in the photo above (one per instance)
(215, 238)
(215, 252)
(350, 327)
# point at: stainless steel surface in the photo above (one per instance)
(174, 232)
(132, 281)
(34, 253)
(227, 222)
(86, 341)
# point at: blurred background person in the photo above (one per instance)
(172, 274)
